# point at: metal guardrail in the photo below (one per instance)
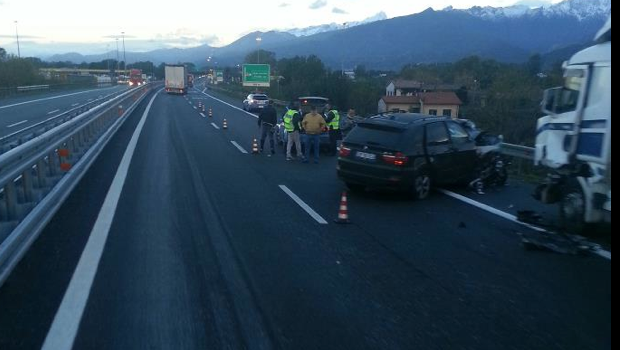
(517, 151)
(24, 135)
(37, 176)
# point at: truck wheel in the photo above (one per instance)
(572, 208)
(421, 187)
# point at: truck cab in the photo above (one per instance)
(574, 137)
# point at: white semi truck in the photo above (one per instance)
(574, 138)
(176, 79)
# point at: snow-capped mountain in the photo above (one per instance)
(580, 9)
(334, 26)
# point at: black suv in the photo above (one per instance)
(406, 151)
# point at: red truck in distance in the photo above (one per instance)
(135, 77)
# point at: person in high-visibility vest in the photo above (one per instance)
(292, 125)
(332, 117)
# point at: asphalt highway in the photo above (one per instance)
(211, 247)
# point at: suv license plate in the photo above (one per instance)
(366, 156)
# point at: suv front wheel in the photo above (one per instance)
(421, 187)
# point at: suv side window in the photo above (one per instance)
(436, 134)
(414, 143)
(458, 135)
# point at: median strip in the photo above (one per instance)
(303, 205)
(64, 328)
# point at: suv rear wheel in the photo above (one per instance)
(421, 187)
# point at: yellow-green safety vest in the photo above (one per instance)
(288, 120)
(335, 123)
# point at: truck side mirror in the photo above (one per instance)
(549, 102)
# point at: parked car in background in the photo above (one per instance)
(255, 102)
(306, 104)
(406, 152)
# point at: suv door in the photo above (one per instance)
(464, 156)
(439, 151)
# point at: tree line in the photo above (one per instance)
(500, 97)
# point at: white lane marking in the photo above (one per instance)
(203, 90)
(215, 126)
(67, 319)
(195, 107)
(54, 111)
(75, 104)
(600, 252)
(47, 98)
(203, 115)
(239, 147)
(303, 205)
(18, 123)
(235, 107)
(90, 99)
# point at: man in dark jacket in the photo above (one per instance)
(267, 119)
(332, 117)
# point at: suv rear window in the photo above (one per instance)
(306, 103)
(375, 136)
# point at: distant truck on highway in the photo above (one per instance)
(574, 138)
(176, 79)
(135, 77)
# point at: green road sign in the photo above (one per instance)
(256, 75)
(219, 76)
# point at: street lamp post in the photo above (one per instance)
(19, 55)
(344, 25)
(258, 40)
(107, 57)
(118, 62)
(124, 56)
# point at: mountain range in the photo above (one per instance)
(508, 34)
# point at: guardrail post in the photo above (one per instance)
(41, 173)
(27, 185)
(51, 161)
(11, 200)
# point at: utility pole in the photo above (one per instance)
(19, 55)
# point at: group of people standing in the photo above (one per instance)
(312, 125)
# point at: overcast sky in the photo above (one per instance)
(185, 23)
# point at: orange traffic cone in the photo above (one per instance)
(210, 112)
(343, 212)
(254, 146)
(203, 108)
(224, 124)
(199, 104)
